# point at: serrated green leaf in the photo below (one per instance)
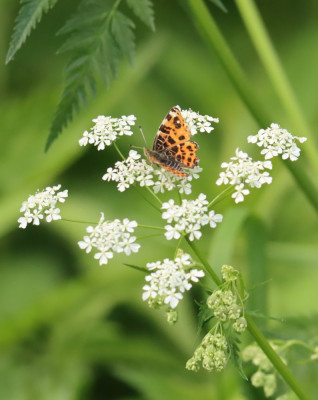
(29, 16)
(233, 342)
(144, 11)
(122, 31)
(93, 51)
(98, 35)
(204, 315)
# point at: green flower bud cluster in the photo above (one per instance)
(265, 375)
(226, 303)
(212, 354)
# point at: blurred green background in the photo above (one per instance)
(70, 329)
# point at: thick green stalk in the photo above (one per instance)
(276, 74)
(212, 35)
(282, 368)
(214, 38)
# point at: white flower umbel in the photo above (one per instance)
(242, 171)
(166, 181)
(169, 280)
(42, 205)
(106, 130)
(129, 171)
(277, 141)
(188, 218)
(136, 170)
(109, 237)
(198, 123)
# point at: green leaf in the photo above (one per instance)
(233, 342)
(205, 314)
(143, 10)
(93, 52)
(29, 16)
(122, 31)
(98, 35)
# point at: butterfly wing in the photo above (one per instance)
(172, 131)
(172, 148)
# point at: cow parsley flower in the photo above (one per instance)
(129, 171)
(198, 123)
(109, 237)
(136, 170)
(277, 141)
(42, 205)
(166, 181)
(188, 218)
(242, 171)
(106, 130)
(169, 280)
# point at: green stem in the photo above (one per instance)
(221, 196)
(151, 227)
(149, 236)
(205, 264)
(214, 38)
(282, 368)
(146, 199)
(276, 73)
(118, 151)
(178, 246)
(212, 35)
(79, 222)
(153, 194)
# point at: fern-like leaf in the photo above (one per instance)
(29, 16)
(97, 35)
(122, 31)
(233, 342)
(144, 11)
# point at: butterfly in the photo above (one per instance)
(172, 148)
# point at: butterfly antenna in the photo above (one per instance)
(142, 134)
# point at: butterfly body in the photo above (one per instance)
(172, 148)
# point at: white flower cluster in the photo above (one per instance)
(106, 130)
(42, 204)
(265, 375)
(188, 218)
(198, 123)
(169, 280)
(110, 237)
(241, 171)
(276, 141)
(225, 302)
(135, 170)
(213, 353)
(127, 172)
(166, 181)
